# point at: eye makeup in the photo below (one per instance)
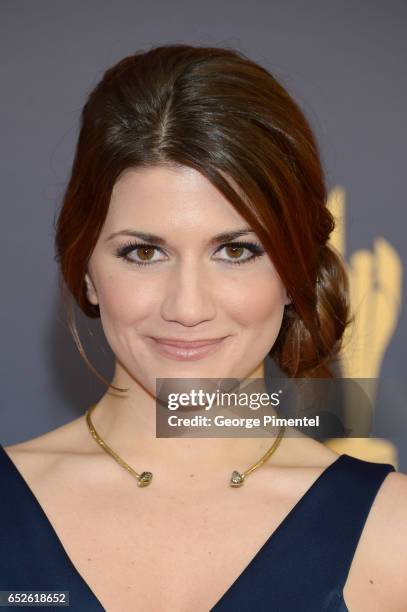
(124, 251)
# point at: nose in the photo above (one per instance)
(189, 296)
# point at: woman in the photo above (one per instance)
(196, 211)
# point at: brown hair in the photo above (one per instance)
(217, 111)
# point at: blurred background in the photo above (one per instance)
(344, 63)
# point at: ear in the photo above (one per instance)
(288, 299)
(90, 290)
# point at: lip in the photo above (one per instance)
(183, 350)
(187, 343)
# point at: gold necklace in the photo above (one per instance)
(144, 479)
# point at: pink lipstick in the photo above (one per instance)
(183, 350)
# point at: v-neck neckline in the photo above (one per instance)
(311, 489)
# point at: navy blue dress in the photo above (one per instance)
(302, 567)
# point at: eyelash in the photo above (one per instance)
(122, 252)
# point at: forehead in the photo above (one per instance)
(170, 198)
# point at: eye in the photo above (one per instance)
(234, 250)
(144, 252)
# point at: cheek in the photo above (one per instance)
(123, 301)
(257, 301)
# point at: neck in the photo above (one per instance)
(127, 423)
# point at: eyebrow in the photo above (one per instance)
(223, 237)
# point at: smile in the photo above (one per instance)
(182, 350)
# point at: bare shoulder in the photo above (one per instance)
(392, 536)
(391, 510)
(39, 456)
(305, 452)
(383, 550)
(391, 514)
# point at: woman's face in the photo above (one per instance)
(187, 284)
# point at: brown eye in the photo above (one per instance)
(143, 252)
(139, 254)
(235, 251)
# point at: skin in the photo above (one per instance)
(191, 292)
